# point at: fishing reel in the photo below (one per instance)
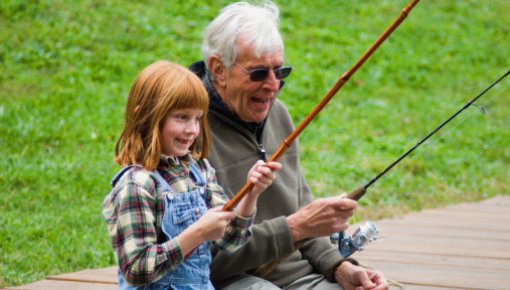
(348, 245)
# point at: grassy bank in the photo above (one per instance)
(66, 68)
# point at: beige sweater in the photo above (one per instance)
(233, 152)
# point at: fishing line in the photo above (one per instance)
(368, 231)
(484, 109)
(358, 193)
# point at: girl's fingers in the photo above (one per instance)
(264, 173)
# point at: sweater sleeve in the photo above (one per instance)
(270, 239)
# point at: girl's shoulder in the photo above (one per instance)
(135, 175)
(129, 185)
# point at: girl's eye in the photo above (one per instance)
(181, 117)
(186, 117)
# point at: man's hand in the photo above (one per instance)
(320, 218)
(352, 277)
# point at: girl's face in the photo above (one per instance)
(180, 129)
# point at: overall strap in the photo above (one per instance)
(196, 174)
(119, 174)
(161, 181)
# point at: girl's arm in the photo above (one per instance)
(130, 211)
(209, 227)
(238, 232)
(262, 175)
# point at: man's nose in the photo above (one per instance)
(271, 82)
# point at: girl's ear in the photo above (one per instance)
(217, 69)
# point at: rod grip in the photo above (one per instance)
(357, 193)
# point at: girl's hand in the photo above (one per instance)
(262, 175)
(211, 226)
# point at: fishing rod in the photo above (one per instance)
(337, 86)
(368, 231)
(359, 192)
(267, 268)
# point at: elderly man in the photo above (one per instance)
(243, 71)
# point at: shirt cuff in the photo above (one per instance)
(173, 248)
(242, 221)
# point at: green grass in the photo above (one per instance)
(66, 68)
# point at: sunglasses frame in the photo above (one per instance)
(279, 73)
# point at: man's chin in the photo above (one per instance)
(258, 118)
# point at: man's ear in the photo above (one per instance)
(217, 69)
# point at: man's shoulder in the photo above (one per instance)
(279, 106)
(280, 112)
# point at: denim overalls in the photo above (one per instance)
(181, 210)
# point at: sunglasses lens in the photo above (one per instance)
(283, 72)
(259, 74)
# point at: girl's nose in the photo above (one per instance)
(193, 127)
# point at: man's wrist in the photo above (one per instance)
(341, 269)
(350, 260)
(295, 231)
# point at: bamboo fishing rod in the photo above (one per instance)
(331, 93)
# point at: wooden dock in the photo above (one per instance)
(465, 246)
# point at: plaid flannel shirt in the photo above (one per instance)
(134, 211)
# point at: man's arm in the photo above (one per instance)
(270, 239)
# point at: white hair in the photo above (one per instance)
(258, 26)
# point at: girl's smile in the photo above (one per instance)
(179, 131)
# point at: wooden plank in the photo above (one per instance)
(388, 230)
(458, 217)
(502, 200)
(370, 256)
(412, 238)
(464, 246)
(443, 276)
(485, 214)
(487, 209)
(418, 287)
(443, 246)
(461, 247)
(495, 226)
(104, 275)
(447, 241)
(64, 285)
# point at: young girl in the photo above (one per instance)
(165, 207)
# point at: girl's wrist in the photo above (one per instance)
(247, 207)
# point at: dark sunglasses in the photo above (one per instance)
(260, 74)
